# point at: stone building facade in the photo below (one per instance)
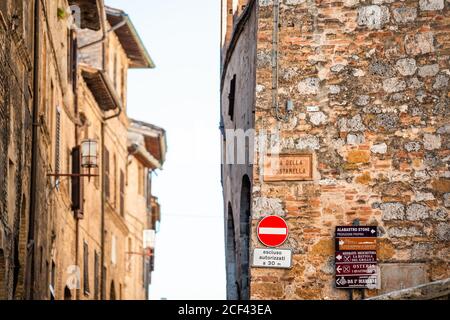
(362, 87)
(16, 83)
(72, 242)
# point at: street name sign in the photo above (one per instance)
(356, 257)
(272, 258)
(272, 231)
(288, 167)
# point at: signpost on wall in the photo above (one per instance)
(356, 257)
(272, 232)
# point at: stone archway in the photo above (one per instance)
(244, 236)
(231, 266)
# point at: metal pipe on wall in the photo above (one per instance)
(29, 277)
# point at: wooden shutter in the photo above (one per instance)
(76, 180)
(96, 271)
(107, 184)
(86, 268)
(104, 277)
(122, 193)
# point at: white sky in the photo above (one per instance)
(182, 96)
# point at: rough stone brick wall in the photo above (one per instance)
(378, 73)
(15, 137)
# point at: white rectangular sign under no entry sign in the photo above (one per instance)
(272, 258)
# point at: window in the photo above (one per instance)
(149, 189)
(113, 250)
(103, 296)
(122, 193)
(96, 271)
(86, 268)
(97, 177)
(123, 84)
(77, 200)
(106, 164)
(129, 254)
(115, 71)
(231, 97)
(68, 167)
(115, 180)
(140, 180)
(11, 191)
(44, 84)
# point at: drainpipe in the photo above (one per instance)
(29, 278)
(77, 143)
(103, 184)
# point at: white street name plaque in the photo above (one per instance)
(272, 258)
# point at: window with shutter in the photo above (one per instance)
(113, 250)
(96, 271)
(104, 277)
(114, 187)
(86, 268)
(122, 193)
(76, 180)
(106, 164)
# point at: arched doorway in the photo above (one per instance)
(67, 294)
(2, 275)
(112, 291)
(244, 236)
(232, 285)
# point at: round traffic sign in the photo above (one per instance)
(272, 231)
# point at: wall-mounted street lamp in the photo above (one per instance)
(84, 156)
(89, 149)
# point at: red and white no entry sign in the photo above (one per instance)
(272, 231)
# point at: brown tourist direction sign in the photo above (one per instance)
(356, 268)
(357, 244)
(288, 167)
(356, 257)
(356, 282)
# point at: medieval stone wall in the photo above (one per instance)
(15, 136)
(370, 85)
